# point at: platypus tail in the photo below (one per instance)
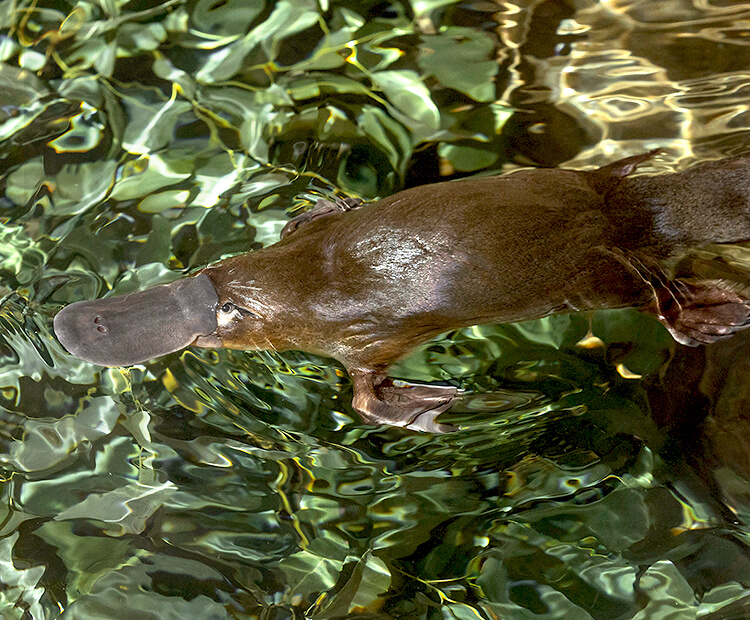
(707, 203)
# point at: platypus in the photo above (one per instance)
(366, 283)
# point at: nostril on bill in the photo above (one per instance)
(126, 330)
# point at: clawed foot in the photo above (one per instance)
(704, 312)
(400, 403)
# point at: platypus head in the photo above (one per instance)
(125, 330)
(221, 306)
(249, 311)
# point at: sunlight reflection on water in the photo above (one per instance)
(217, 484)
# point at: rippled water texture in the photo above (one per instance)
(601, 471)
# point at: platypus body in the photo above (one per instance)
(366, 283)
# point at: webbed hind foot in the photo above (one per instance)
(704, 311)
(401, 403)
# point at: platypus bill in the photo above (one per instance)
(366, 283)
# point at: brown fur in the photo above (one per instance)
(366, 283)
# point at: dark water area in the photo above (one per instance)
(600, 470)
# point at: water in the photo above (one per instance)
(139, 141)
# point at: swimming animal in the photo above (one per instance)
(366, 283)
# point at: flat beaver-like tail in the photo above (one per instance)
(707, 203)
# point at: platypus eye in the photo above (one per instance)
(230, 310)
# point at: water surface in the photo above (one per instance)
(141, 140)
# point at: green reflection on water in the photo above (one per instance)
(139, 143)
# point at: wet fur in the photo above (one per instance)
(366, 284)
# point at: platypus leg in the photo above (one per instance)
(321, 209)
(623, 167)
(703, 311)
(380, 400)
(695, 311)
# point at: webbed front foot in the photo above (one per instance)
(704, 311)
(415, 406)
(322, 208)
